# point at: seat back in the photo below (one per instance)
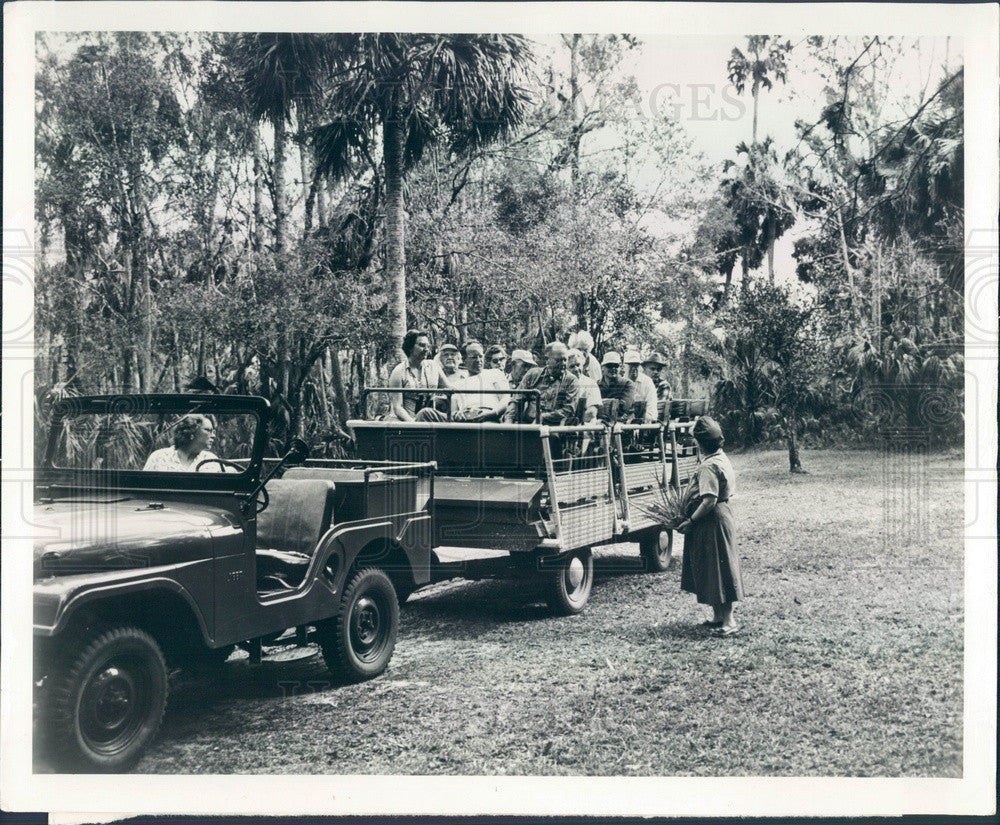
(298, 515)
(458, 448)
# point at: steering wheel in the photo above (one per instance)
(221, 461)
(262, 501)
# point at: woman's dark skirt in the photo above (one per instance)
(711, 568)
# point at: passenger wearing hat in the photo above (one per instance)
(521, 360)
(654, 366)
(558, 391)
(449, 358)
(711, 568)
(615, 387)
(645, 390)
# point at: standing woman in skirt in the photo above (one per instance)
(711, 568)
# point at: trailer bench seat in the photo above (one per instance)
(457, 447)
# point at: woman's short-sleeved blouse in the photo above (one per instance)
(715, 475)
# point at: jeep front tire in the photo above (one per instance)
(358, 642)
(106, 700)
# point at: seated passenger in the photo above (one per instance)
(521, 360)
(416, 372)
(584, 341)
(475, 406)
(645, 390)
(448, 360)
(496, 357)
(559, 391)
(193, 435)
(588, 386)
(614, 387)
(655, 367)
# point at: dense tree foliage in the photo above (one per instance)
(271, 210)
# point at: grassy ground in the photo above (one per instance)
(849, 663)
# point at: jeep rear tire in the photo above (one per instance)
(358, 642)
(106, 700)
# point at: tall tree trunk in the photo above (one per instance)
(574, 102)
(770, 251)
(745, 267)
(877, 300)
(845, 254)
(258, 192)
(280, 199)
(176, 362)
(755, 94)
(395, 227)
(323, 395)
(339, 391)
(794, 461)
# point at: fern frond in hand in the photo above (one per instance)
(669, 510)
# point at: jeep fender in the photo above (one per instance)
(55, 611)
(410, 534)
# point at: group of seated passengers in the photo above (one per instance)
(481, 386)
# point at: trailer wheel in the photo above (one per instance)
(570, 583)
(106, 702)
(358, 642)
(657, 557)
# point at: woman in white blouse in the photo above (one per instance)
(193, 436)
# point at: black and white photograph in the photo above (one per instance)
(484, 408)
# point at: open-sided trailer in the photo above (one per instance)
(530, 500)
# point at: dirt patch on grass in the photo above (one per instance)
(849, 662)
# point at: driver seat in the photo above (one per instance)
(288, 531)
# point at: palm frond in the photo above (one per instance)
(669, 511)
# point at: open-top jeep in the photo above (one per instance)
(139, 570)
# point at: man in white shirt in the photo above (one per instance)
(485, 406)
(416, 372)
(645, 389)
(588, 386)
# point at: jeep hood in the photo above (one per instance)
(116, 532)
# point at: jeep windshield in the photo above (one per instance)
(150, 435)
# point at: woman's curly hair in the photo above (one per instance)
(187, 428)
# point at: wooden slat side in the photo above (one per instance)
(580, 486)
(586, 526)
(649, 474)
(686, 467)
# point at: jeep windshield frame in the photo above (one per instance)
(50, 473)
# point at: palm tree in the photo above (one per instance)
(413, 90)
(278, 73)
(761, 203)
(765, 62)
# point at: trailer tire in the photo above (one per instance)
(570, 582)
(358, 642)
(107, 701)
(656, 557)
